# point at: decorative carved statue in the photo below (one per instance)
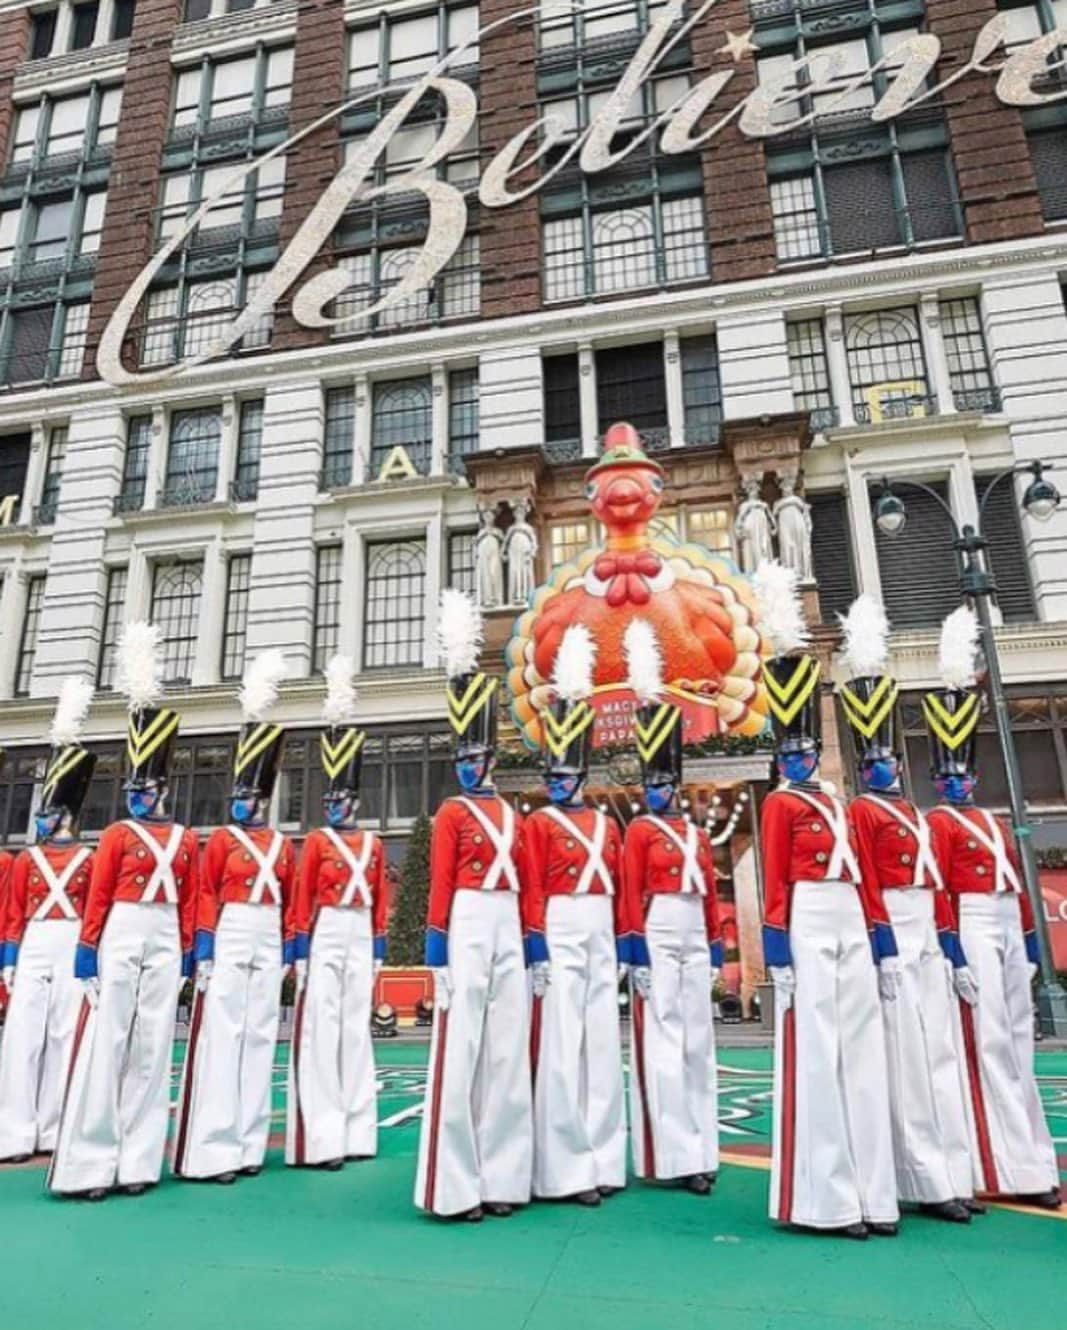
(754, 527)
(520, 548)
(792, 514)
(489, 561)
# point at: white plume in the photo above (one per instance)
(139, 669)
(866, 628)
(572, 675)
(644, 664)
(959, 647)
(339, 707)
(459, 633)
(259, 687)
(781, 619)
(71, 710)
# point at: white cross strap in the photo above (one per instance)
(692, 877)
(594, 866)
(842, 855)
(920, 829)
(357, 866)
(502, 840)
(162, 878)
(57, 883)
(992, 839)
(266, 889)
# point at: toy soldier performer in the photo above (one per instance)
(44, 909)
(7, 862)
(475, 1148)
(340, 918)
(829, 948)
(673, 940)
(246, 886)
(572, 857)
(135, 946)
(931, 1138)
(981, 869)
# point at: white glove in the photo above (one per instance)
(300, 974)
(784, 979)
(715, 976)
(641, 975)
(623, 972)
(965, 984)
(91, 989)
(9, 977)
(204, 971)
(378, 967)
(1032, 970)
(890, 978)
(540, 977)
(442, 987)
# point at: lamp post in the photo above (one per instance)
(978, 584)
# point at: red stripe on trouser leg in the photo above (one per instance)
(974, 1078)
(788, 1110)
(435, 1109)
(190, 1081)
(638, 1018)
(535, 1036)
(300, 1145)
(75, 1049)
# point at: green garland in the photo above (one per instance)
(719, 745)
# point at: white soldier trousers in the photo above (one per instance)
(38, 1032)
(832, 1161)
(476, 1142)
(333, 1101)
(113, 1128)
(931, 1134)
(224, 1109)
(673, 1081)
(1012, 1144)
(579, 1108)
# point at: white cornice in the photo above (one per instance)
(64, 73)
(233, 32)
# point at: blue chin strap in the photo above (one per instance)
(47, 824)
(338, 811)
(958, 789)
(881, 774)
(472, 772)
(563, 789)
(142, 803)
(659, 797)
(797, 767)
(243, 810)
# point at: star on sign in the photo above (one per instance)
(738, 45)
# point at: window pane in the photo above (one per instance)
(233, 86)
(249, 445)
(562, 407)
(463, 408)
(701, 390)
(30, 341)
(623, 249)
(568, 539)
(238, 586)
(968, 361)
(809, 369)
(30, 625)
(114, 610)
(327, 605)
(338, 437)
(630, 385)
(928, 185)
(107, 122)
(52, 230)
(123, 24)
(187, 96)
(193, 456)
(42, 34)
(135, 467)
(710, 527)
(886, 365)
(796, 218)
(66, 130)
(176, 592)
(92, 221)
(395, 600)
(57, 451)
(860, 206)
(25, 140)
(461, 565)
(684, 243)
(84, 27)
(402, 417)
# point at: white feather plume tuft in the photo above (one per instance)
(866, 645)
(259, 687)
(572, 675)
(339, 708)
(460, 633)
(959, 647)
(139, 669)
(781, 609)
(644, 664)
(71, 710)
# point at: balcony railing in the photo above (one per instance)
(186, 494)
(563, 450)
(244, 490)
(900, 408)
(45, 513)
(824, 418)
(129, 501)
(977, 399)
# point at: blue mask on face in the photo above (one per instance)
(142, 803)
(243, 810)
(882, 774)
(337, 812)
(563, 789)
(471, 772)
(659, 797)
(47, 824)
(797, 767)
(956, 789)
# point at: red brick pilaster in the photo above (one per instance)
(736, 191)
(14, 46)
(992, 157)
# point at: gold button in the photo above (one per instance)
(140, 854)
(820, 858)
(972, 845)
(247, 858)
(139, 880)
(477, 865)
(248, 881)
(570, 845)
(573, 871)
(35, 879)
(816, 826)
(901, 831)
(980, 870)
(477, 839)
(905, 858)
(674, 870)
(339, 867)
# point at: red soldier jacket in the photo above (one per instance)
(663, 855)
(125, 868)
(344, 869)
(566, 852)
(476, 845)
(6, 863)
(245, 866)
(805, 836)
(56, 891)
(976, 853)
(892, 857)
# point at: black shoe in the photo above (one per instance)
(973, 1205)
(358, 1159)
(93, 1194)
(698, 1184)
(498, 1209)
(955, 1212)
(857, 1232)
(252, 1171)
(588, 1197)
(1044, 1200)
(137, 1188)
(224, 1179)
(883, 1230)
(712, 1178)
(16, 1159)
(608, 1191)
(332, 1165)
(474, 1216)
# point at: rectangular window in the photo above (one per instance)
(399, 48)
(396, 604)
(249, 447)
(9, 235)
(245, 85)
(83, 29)
(563, 417)
(114, 610)
(123, 22)
(53, 475)
(1006, 554)
(29, 350)
(192, 458)
(461, 573)
(51, 231)
(631, 385)
(67, 125)
(568, 539)
(235, 632)
(256, 200)
(1048, 151)
(338, 437)
(886, 366)
(809, 371)
(402, 417)
(701, 390)
(968, 358)
(135, 465)
(831, 549)
(327, 605)
(711, 527)
(176, 592)
(463, 412)
(919, 575)
(182, 321)
(797, 231)
(30, 625)
(42, 34)
(372, 274)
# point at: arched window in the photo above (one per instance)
(193, 457)
(402, 416)
(885, 363)
(176, 589)
(396, 604)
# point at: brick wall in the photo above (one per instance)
(989, 148)
(133, 193)
(14, 45)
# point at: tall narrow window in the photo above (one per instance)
(968, 359)
(832, 553)
(135, 465)
(396, 603)
(563, 416)
(461, 560)
(338, 437)
(84, 28)
(249, 446)
(176, 591)
(886, 365)
(114, 610)
(42, 34)
(30, 624)
(123, 22)
(402, 418)
(235, 632)
(53, 474)
(809, 371)
(462, 414)
(193, 457)
(630, 385)
(701, 390)
(327, 605)
(1007, 550)
(920, 577)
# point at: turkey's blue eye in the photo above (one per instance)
(657, 484)
(590, 490)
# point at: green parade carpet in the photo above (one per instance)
(303, 1250)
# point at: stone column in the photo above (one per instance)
(940, 383)
(156, 469)
(105, 17)
(587, 401)
(231, 423)
(207, 663)
(837, 363)
(672, 373)
(14, 47)
(434, 582)
(754, 366)
(439, 420)
(361, 433)
(35, 469)
(511, 398)
(12, 611)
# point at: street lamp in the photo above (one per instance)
(1040, 501)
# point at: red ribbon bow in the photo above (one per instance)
(628, 575)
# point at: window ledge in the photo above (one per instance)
(174, 512)
(60, 71)
(949, 422)
(228, 31)
(376, 488)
